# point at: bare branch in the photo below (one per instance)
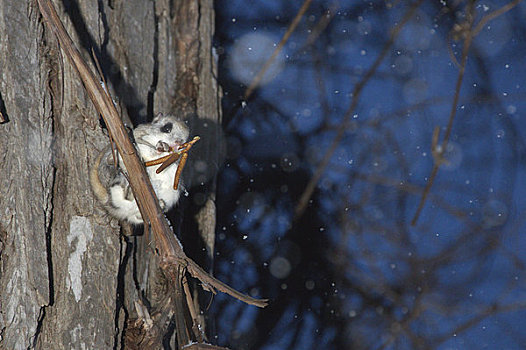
(257, 79)
(469, 33)
(494, 15)
(304, 200)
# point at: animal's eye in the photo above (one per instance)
(166, 128)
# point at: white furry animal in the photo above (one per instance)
(153, 141)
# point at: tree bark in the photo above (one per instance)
(67, 278)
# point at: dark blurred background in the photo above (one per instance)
(328, 159)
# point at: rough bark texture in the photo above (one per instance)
(67, 280)
(27, 177)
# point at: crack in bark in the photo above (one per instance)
(49, 259)
(155, 70)
(106, 28)
(50, 61)
(120, 293)
(4, 118)
(40, 323)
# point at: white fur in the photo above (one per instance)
(119, 201)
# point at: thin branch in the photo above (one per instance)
(197, 327)
(169, 248)
(470, 33)
(182, 332)
(322, 24)
(477, 318)
(257, 79)
(307, 193)
(494, 15)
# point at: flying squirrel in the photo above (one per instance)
(153, 140)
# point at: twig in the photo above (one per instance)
(103, 81)
(322, 24)
(209, 282)
(307, 193)
(257, 79)
(176, 272)
(494, 15)
(451, 53)
(470, 33)
(480, 315)
(197, 328)
(169, 248)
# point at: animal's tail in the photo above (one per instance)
(100, 192)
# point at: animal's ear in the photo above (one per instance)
(157, 117)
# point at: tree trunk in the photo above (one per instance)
(67, 278)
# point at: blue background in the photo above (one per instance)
(351, 272)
